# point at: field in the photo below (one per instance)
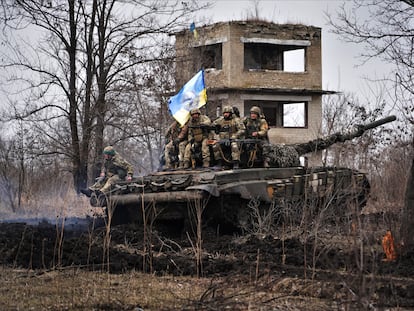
(296, 267)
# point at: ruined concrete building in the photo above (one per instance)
(276, 67)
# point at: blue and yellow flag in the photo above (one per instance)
(194, 30)
(192, 95)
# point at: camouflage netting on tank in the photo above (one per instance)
(281, 155)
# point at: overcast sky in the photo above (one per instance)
(341, 70)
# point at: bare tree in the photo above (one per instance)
(345, 112)
(71, 74)
(387, 34)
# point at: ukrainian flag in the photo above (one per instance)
(192, 95)
(194, 30)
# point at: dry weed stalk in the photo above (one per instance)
(149, 215)
(195, 212)
(90, 237)
(110, 209)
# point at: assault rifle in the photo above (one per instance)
(204, 127)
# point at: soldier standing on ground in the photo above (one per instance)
(198, 135)
(257, 128)
(176, 139)
(229, 128)
(114, 169)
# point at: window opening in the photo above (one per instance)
(282, 114)
(265, 56)
(208, 56)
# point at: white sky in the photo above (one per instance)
(341, 69)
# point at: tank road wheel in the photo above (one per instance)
(230, 213)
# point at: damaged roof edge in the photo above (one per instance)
(247, 22)
(273, 91)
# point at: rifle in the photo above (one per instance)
(203, 126)
(243, 141)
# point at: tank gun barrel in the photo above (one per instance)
(378, 123)
(323, 143)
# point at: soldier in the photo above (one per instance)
(198, 135)
(257, 128)
(229, 128)
(114, 168)
(176, 139)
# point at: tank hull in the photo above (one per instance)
(222, 197)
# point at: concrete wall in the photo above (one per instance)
(233, 84)
(233, 75)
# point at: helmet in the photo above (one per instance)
(109, 150)
(227, 109)
(255, 110)
(194, 111)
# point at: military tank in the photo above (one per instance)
(226, 197)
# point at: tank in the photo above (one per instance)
(228, 197)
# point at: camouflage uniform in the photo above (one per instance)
(228, 129)
(114, 168)
(175, 138)
(197, 135)
(258, 125)
(257, 128)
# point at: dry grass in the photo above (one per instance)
(74, 289)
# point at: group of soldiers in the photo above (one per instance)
(199, 134)
(195, 140)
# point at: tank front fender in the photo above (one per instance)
(249, 190)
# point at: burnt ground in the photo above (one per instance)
(346, 259)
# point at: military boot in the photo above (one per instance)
(266, 163)
(186, 164)
(87, 192)
(236, 165)
(206, 163)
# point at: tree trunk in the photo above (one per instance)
(78, 179)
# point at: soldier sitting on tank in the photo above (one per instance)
(229, 129)
(199, 133)
(176, 139)
(256, 129)
(114, 169)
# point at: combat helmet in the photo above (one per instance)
(194, 111)
(227, 109)
(109, 150)
(255, 110)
